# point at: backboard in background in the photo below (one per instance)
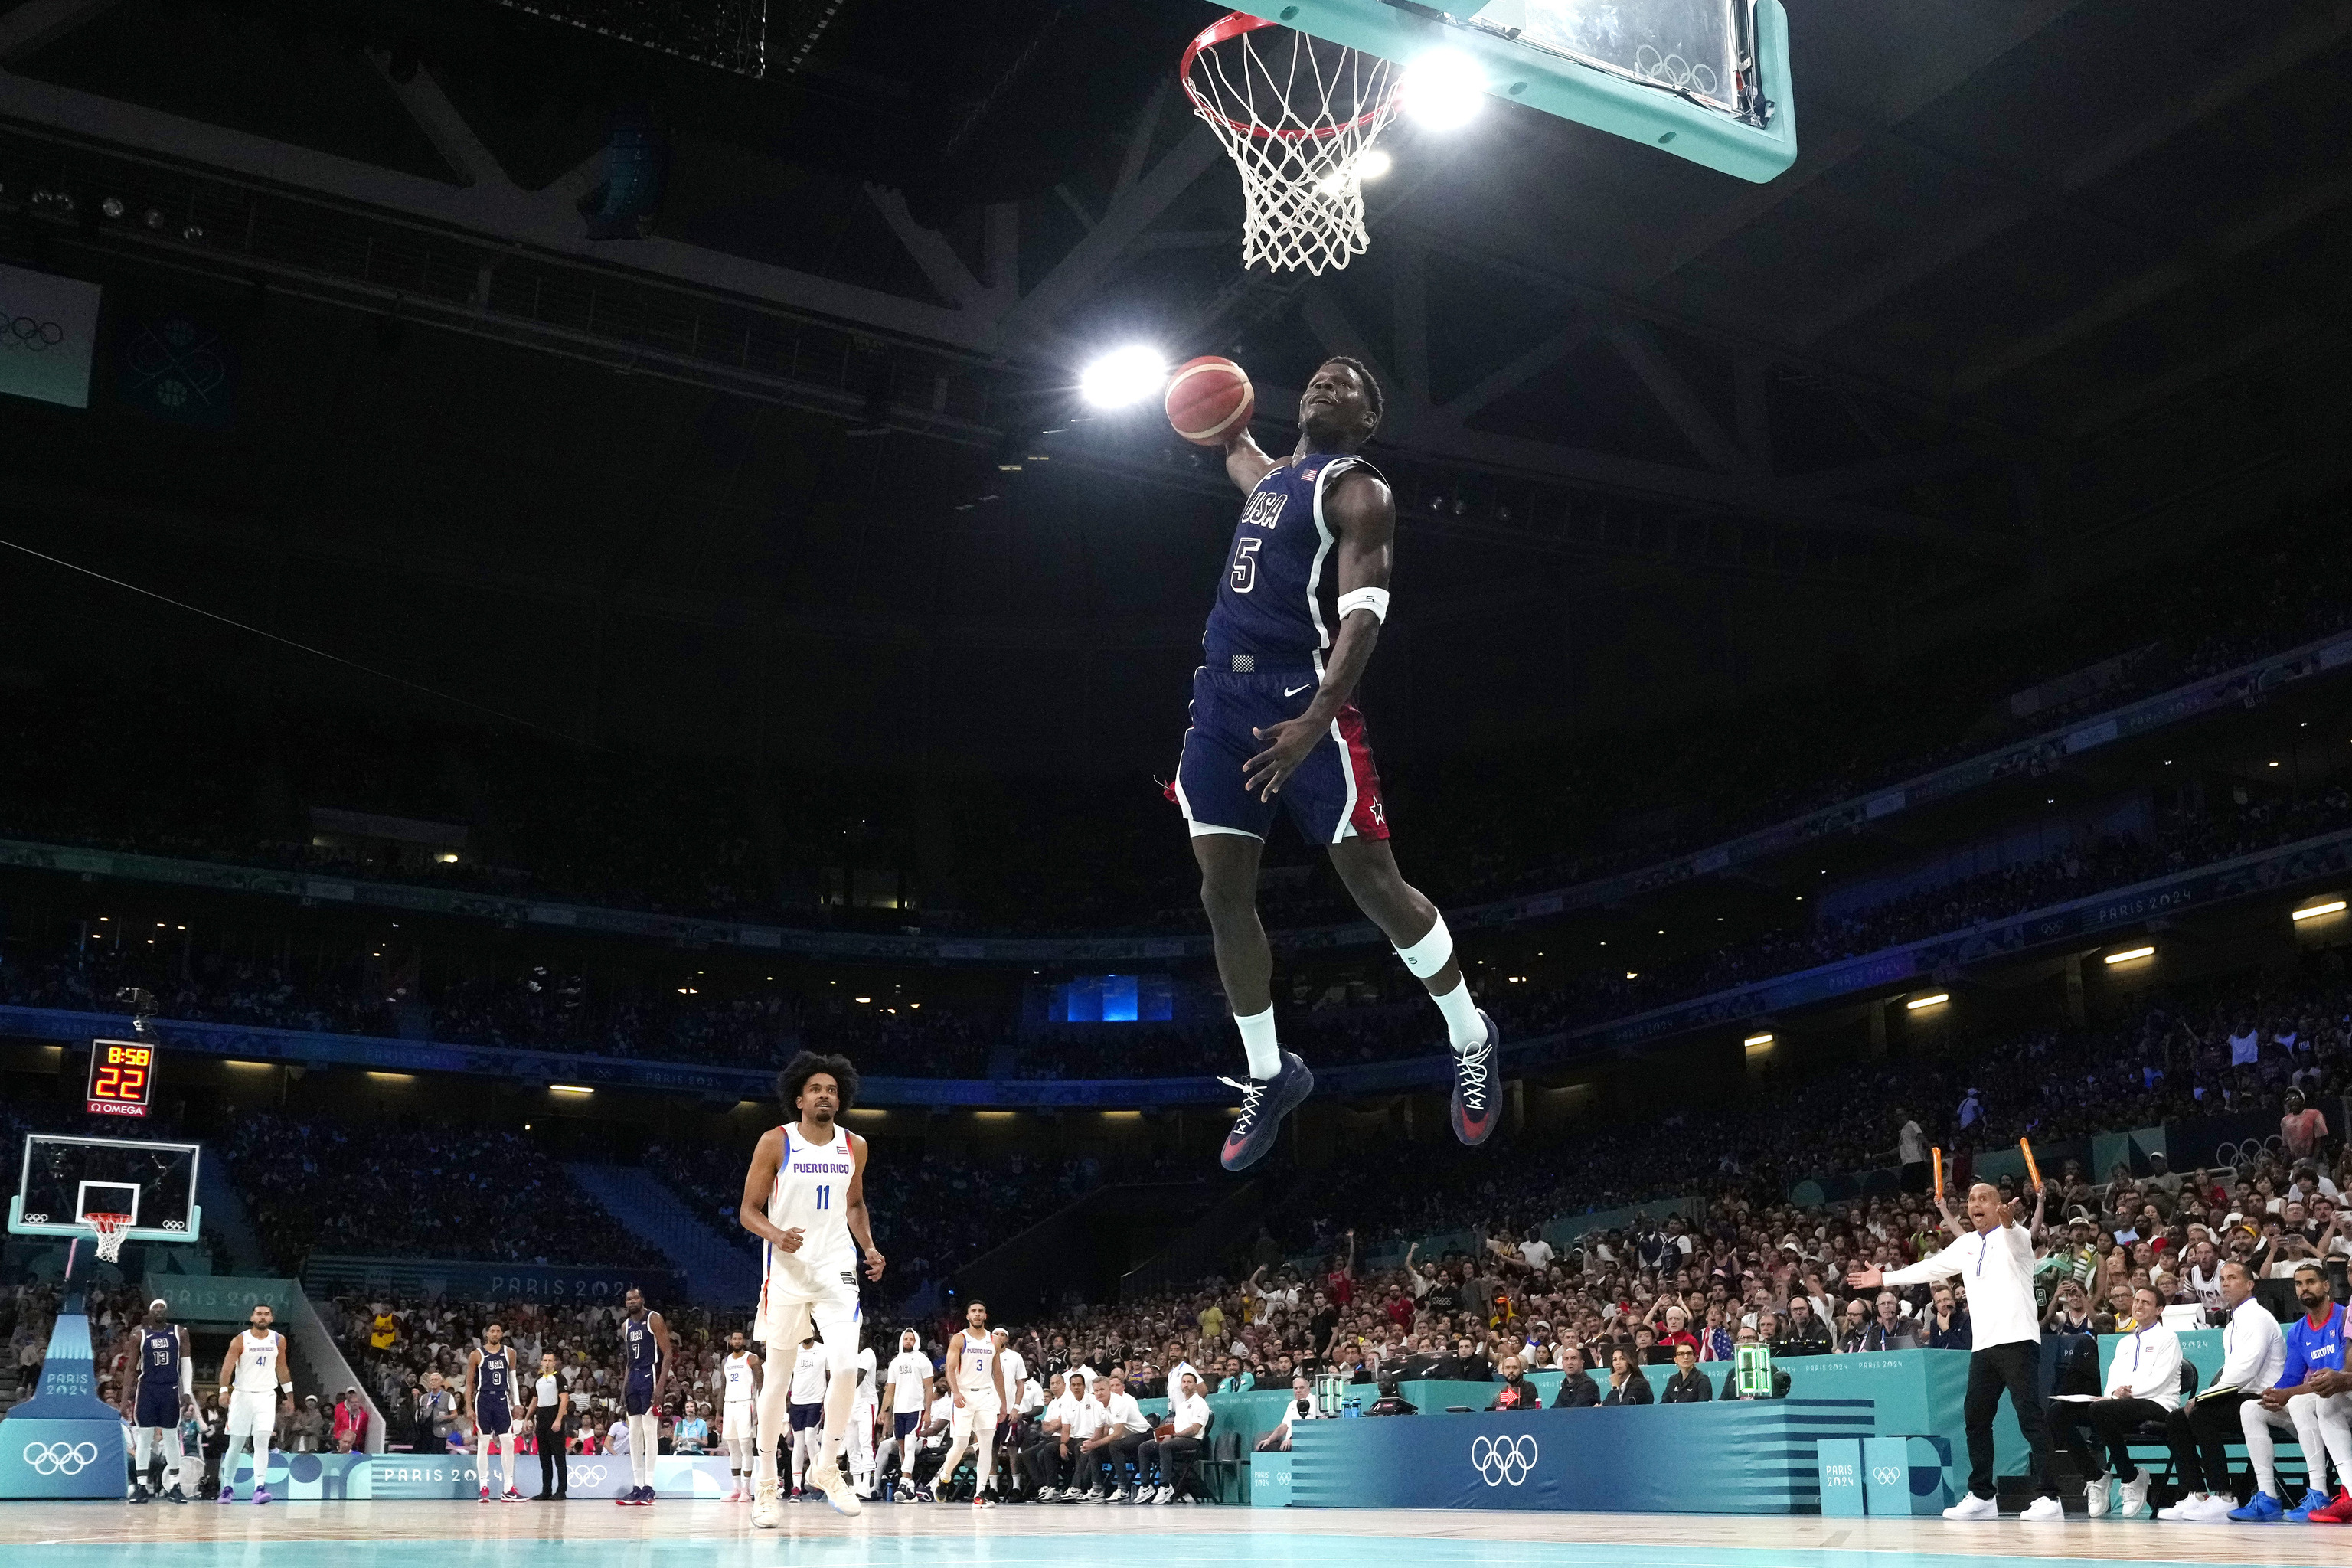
(63, 1179)
(1706, 80)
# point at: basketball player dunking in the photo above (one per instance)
(256, 1379)
(647, 1362)
(804, 1198)
(165, 1395)
(1304, 591)
(976, 1383)
(493, 1393)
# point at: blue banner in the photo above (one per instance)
(326, 1273)
(338, 1478)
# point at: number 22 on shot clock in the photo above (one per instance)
(121, 1076)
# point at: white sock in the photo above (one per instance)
(1257, 1039)
(237, 1446)
(174, 1460)
(645, 1437)
(510, 1448)
(1462, 1025)
(482, 1457)
(143, 1452)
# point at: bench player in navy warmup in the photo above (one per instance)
(1305, 593)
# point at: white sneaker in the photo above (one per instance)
(2043, 1510)
(836, 1487)
(2098, 1496)
(1167, 1494)
(2187, 1511)
(1974, 1506)
(767, 1507)
(2134, 1502)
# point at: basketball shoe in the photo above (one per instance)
(836, 1488)
(1264, 1103)
(767, 1507)
(1476, 1105)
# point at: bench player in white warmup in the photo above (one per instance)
(804, 1198)
(862, 1418)
(739, 1426)
(976, 1383)
(906, 1387)
(257, 1380)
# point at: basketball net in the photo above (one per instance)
(1298, 114)
(112, 1229)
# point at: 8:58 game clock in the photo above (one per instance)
(121, 1078)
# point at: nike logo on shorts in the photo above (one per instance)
(1295, 691)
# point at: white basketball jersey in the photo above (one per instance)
(812, 1194)
(256, 1363)
(737, 1370)
(975, 1364)
(867, 1366)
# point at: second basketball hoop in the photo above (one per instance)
(1299, 115)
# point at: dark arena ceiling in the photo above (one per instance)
(2053, 285)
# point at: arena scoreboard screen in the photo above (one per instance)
(121, 1076)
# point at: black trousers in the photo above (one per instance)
(1178, 1460)
(2016, 1368)
(1041, 1464)
(555, 1467)
(2073, 1425)
(2200, 1435)
(1114, 1456)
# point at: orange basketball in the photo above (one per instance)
(1207, 398)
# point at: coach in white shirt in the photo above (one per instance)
(1996, 1259)
(1175, 1458)
(2143, 1384)
(1117, 1441)
(2254, 1354)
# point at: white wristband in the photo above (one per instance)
(1373, 599)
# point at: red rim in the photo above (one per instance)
(1234, 24)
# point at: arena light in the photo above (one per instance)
(447, 857)
(1757, 1042)
(2129, 953)
(392, 1076)
(1442, 89)
(1937, 1000)
(1373, 164)
(1124, 377)
(2312, 912)
(569, 1089)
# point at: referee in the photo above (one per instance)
(1996, 1260)
(551, 1412)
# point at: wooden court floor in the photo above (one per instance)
(600, 1536)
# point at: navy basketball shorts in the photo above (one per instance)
(159, 1406)
(638, 1397)
(1334, 795)
(904, 1422)
(804, 1417)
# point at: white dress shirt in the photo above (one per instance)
(1997, 1265)
(2147, 1364)
(2253, 1348)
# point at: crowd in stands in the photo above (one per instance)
(554, 1010)
(381, 1188)
(944, 1210)
(682, 837)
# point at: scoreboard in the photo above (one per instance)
(121, 1078)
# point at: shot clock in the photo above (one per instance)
(121, 1078)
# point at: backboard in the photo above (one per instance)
(1705, 80)
(63, 1179)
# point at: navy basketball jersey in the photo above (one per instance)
(637, 1341)
(1280, 601)
(494, 1385)
(159, 1359)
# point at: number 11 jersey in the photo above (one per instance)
(811, 1193)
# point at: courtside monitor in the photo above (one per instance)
(64, 1180)
(1705, 80)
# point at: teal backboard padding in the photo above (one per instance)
(1556, 85)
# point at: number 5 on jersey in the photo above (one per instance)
(1245, 564)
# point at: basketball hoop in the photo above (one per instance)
(111, 1228)
(1297, 118)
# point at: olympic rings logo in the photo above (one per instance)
(1504, 1461)
(1886, 1475)
(25, 333)
(60, 1458)
(586, 1475)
